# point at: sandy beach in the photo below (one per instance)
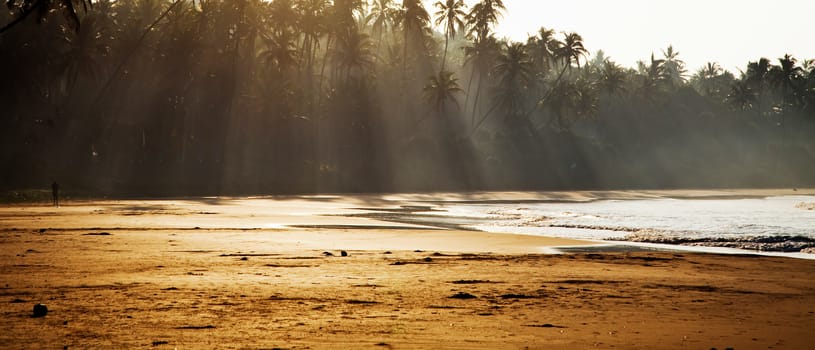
(267, 273)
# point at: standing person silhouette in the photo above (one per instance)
(55, 193)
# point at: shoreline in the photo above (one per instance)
(365, 212)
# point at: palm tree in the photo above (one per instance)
(344, 11)
(612, 77)
(280, 52)
(705, 78)
(757, 76)
(340, 22)
(381, 17)
(585, 99)
(571, 50)
(283, 15)
(480, 55)
(354, 53)
(84, 54)
(652, 78)
(674, 67)
(440, 89)
(451, 14)
(542, 48)
(414, 20)
(312, 22)
(786, 76)
(741, 96)
(483, 15)
(513, 68)
(45, 8)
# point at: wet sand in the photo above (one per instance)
(222, 273)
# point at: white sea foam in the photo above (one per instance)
(766, 224)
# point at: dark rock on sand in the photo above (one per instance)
(328, 254)
(343, 253)
(545, 325)
(463, 295)
(40, 310)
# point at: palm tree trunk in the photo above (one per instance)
(404, 56)
(476, 105)
(467, 98)
(446, 44)
(322, 70)
(483, 119)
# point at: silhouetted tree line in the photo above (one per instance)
(152, 97)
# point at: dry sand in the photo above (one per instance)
(228, 273)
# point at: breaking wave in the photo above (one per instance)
(773, 224)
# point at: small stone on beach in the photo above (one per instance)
(40, 310)
(343, 253)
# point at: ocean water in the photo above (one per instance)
(772, 224)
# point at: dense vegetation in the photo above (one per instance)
(249, 96)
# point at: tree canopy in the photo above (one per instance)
(167, 97)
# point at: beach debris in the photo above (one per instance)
(463, 295)
(244, 258)
(428, 259)
(328, 253)
(40, 310)
(398, 263)
(209, 326)
(545, 325)
(472, 281)
(343, 253)
(17, 301)
(98, 234)
(160, 342)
